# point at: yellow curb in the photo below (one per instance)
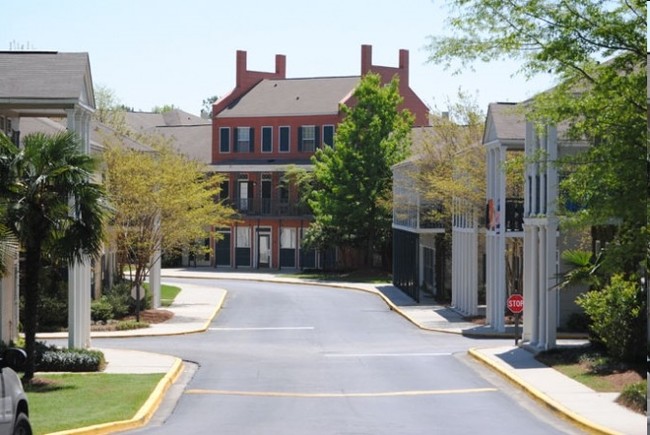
(541, 397)
(145, 413)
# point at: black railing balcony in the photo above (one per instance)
(269, 207)
(514, 218)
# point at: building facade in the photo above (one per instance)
(265, 126)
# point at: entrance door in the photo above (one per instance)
(264, 246)
(222, 251)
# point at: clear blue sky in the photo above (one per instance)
(156, 52)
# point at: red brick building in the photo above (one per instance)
(265, 124)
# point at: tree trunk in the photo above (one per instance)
(31, 294)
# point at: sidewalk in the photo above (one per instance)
(196, 305)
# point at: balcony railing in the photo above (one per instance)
(269, 207)
(514, 218)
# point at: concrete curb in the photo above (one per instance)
(539, 396)
(145, 413)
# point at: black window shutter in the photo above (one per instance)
(328, 135)
(224, 138)
(252, 139)
(235, 143)
(316, 137)
(299, 138)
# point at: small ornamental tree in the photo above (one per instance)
(163, 202)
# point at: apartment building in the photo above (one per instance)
(267, 124)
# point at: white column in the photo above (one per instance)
(154, 279)
(79, 276)
(527, 290)
(155, 269)
(551, 287)
(542, 297)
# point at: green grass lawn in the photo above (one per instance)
(370, 276)
(60, 402)
(167, 293)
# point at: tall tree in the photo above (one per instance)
(43, 181)
(206, 110)
(451, 162)
(351, 199)
(597, 51)
(162, 200)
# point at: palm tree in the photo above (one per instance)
(55, 210)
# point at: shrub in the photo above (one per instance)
(52, 313)
(50, 358)
(127, 325)
(101, 310)
(633, 396)
(119, 296)
(616, 316)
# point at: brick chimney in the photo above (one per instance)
(366, 59)
(281, 65)
(241, 68)
(404, 67)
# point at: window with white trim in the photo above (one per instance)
(243, 144)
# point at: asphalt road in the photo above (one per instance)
(299, 359)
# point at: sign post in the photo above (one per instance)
(515, 304)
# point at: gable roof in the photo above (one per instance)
(293, 97)
(45, 83)
(506, 123)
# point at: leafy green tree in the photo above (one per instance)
(164, 108)
(597, 52)
(109, 110)
(451, 160)
(43, 181)
(351, 198)
(162, 200)
(207, 105)
(8, 243)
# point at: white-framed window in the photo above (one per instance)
(243, 144)
(308, 138)
(285, 139)
(267, 139)
(288, 238)
(243, 237)
(328, 135)
(224, 139)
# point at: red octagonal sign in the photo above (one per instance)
(515, 303)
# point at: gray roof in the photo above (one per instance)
(191, 134)
(505, 122)
(293, 97)
(99, 132)
(194, 141)
(148, 120)
(45, 79)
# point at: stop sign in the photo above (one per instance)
(515, 303)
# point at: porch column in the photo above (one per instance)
(530, 265)
(79, 273)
